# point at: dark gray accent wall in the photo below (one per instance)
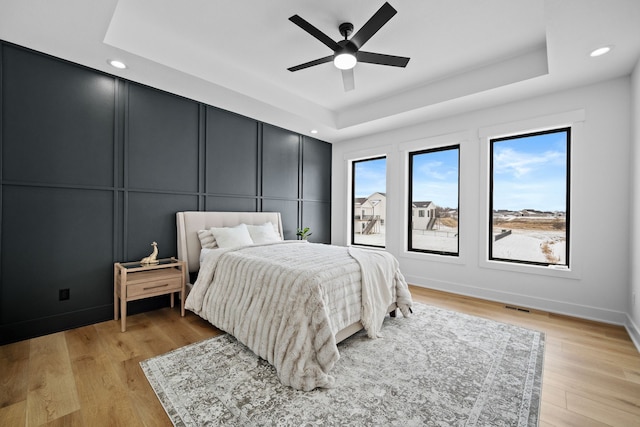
(232, 157)
(94, 168)
(161, 141)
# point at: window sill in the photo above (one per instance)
(424, 256)
(373, 248)
(552, 271)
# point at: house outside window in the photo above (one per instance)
(433, 194)
(369, 186)
(529, 198)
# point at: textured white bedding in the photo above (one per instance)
(287, 300)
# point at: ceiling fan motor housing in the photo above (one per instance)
(346, 29)
(346, 46)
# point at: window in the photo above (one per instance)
(369, 186)
(433, 194)
(529, 198)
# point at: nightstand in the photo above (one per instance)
(133, 281)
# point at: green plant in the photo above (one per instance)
(303, 233)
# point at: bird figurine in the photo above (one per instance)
(151, 259)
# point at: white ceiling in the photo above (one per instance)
(465, 54)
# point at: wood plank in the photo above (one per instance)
(142, 396)
(616, 390)
(554, 396)
(14, 414)
(552, 415)
(102, 394)
(52, 389)
(74, 419)
(150, 338)
(180, 333)
(601, 412)
(633, 374)
(119, 345)
(596, 351)
(581, 363)
(14, 373)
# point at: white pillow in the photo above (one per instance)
(229, 237)
(207, 241)
(264, 233)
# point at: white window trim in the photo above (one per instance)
(575, 120)
(458, 138)
(354, 156)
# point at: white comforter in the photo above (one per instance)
(286, 301)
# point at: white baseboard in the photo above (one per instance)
(542, 304)
(633, 331)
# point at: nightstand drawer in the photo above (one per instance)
(154, 287)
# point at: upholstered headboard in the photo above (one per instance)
(189, 223)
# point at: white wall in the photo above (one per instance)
(598, 285)
(634, 303)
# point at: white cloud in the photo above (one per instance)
(434, 170)
(518, 164)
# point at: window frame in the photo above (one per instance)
(569, 118)
(519, 135)
(409, 237)
(353, 198)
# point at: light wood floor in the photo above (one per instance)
(90, 376)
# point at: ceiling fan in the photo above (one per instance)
(347, 53)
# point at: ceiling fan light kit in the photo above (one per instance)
(347, 53)
(345, 61)
(345, 58)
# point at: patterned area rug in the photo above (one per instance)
(436, 368)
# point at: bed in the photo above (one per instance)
(290, 302)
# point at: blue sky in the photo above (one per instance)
(435, 178)
(371, 176)
(528, 173)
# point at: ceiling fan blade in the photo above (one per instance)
(312, 63)
(381, 59)
(372, 26)
(325, 39)
(347, 80)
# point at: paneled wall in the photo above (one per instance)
(94, 169)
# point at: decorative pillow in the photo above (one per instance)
(229, 237)
(264, 233)
(207, 241)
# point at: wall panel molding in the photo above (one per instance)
(94, 168)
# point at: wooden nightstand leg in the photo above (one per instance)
(123, 314)
(173, 302)
(123, 301)
(183, 288)
(115, 292)
(183, 295)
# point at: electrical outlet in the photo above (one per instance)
(64, 294)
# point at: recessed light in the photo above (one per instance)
(314, 131)
(117, 64)
(600, 51)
